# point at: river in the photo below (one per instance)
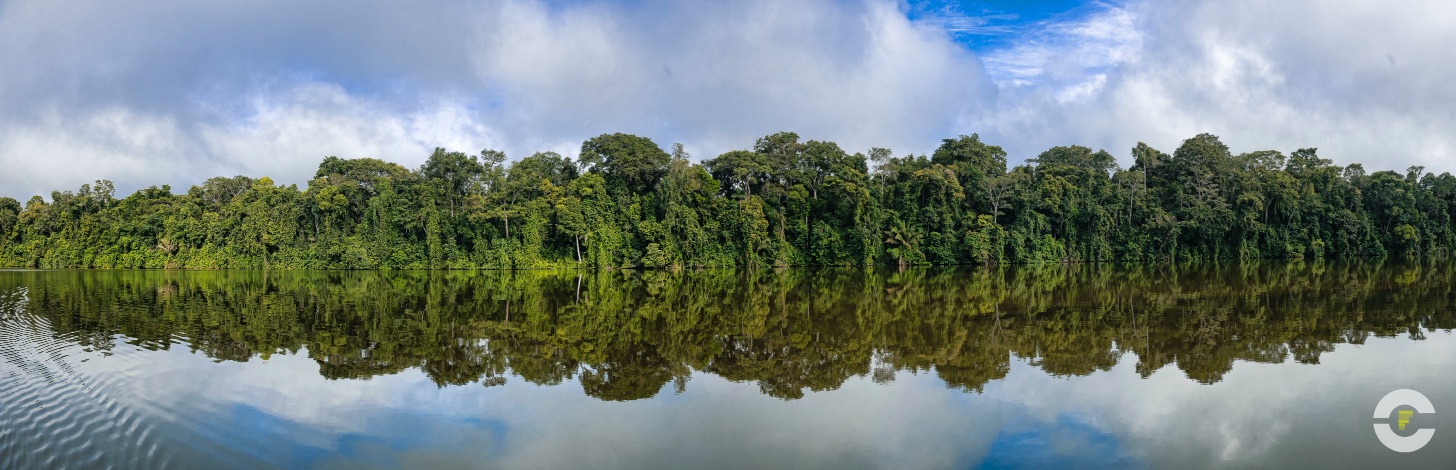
(1251, 365)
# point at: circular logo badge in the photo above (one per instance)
(1384, 431)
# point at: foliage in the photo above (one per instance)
(629, 203)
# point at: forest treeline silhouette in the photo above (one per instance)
(626, 202)
(630, 334)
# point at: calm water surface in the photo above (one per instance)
(1242, 365)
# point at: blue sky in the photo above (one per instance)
(987, 25)
(174, 92)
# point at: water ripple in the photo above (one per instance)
(58, 412)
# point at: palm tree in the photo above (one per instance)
(903, 237)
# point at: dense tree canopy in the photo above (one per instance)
(629, 203)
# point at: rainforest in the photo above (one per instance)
(626, 202)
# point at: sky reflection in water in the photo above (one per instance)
(861, 383)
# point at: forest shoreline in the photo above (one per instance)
(626, 203)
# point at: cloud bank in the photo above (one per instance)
(173, 92)
(1363, 82)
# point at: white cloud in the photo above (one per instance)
(235, 90)
(715, 77)
(1053, 52)
(112, 142)
(1261, 75)
(283, 134)
(289, 133)
(170, 92)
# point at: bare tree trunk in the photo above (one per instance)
(577, 239)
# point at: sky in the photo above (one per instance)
(174, 92)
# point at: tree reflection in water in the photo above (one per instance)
(624, 335)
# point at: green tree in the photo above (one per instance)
(630, 164)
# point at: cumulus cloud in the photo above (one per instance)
(716, 76)
(283, 135)
(281, 131)
(173, 92)
(1364, 82)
